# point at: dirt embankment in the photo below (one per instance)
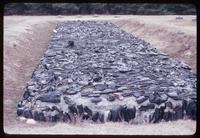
(24, 42)
(26, 37)
(174, 37)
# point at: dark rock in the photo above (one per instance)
(39, 116)
(73, 109)
(158, 99)
(68, 100)
(179, 112)
(191, 109)
(49, 97)
(95, 116)
(27, 113)
(55, 116)
(158, 114)
(70, 43)
(66, 117)
(85, 116)
(80, 109)
(20, 111)
(128, 113)
(87, 110)
(97, 79)
(110, 98)
(96, 100)
(169, 104)
(101, 117)
(19, 104)
(100, 87)
(115, 114)
(127, 93)
(167, 116)
(137, 94)
(146, 107)
(141, 99)
(26, 95)
(35, 115)
(54, 108)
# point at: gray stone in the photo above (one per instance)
(173, 95)
(49, 97)
(141, 99)
(110, 97)
(96, 100)
(100, 87)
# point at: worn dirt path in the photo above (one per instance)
(25, 39)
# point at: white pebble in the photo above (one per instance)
(31, 121)
(54, 31)
(22, 118)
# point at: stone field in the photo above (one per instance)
(92, 70)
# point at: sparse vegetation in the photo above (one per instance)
(97, 8)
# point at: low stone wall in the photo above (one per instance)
(94, 71)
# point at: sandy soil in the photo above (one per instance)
(26, 37)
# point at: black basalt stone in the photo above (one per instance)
(191, 109)
(97, 79)
(19, 104)
(110, 98)
(55, 116)
(158, 114)
(87, 110)
(35, 115)
(49, 97)
(85, 116)
(167, 116)
(158, 99)
(66, 117)
(20, 111)
(68, 100)
(115, 114)
(101, 117)
(95, 116)
(55, 108)
(27, 113)
(146, 107)
(41, 116)
(178, 112)
(70, 43)
(80, 109)
(100, 87)
(141, 99)
(128, 113)
(96, 100)
(26, 95)
(73, 109)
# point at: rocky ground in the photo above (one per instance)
(95, 71)
(71, 81)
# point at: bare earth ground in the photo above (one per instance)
(26, 37)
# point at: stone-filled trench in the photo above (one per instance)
(93, 70)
